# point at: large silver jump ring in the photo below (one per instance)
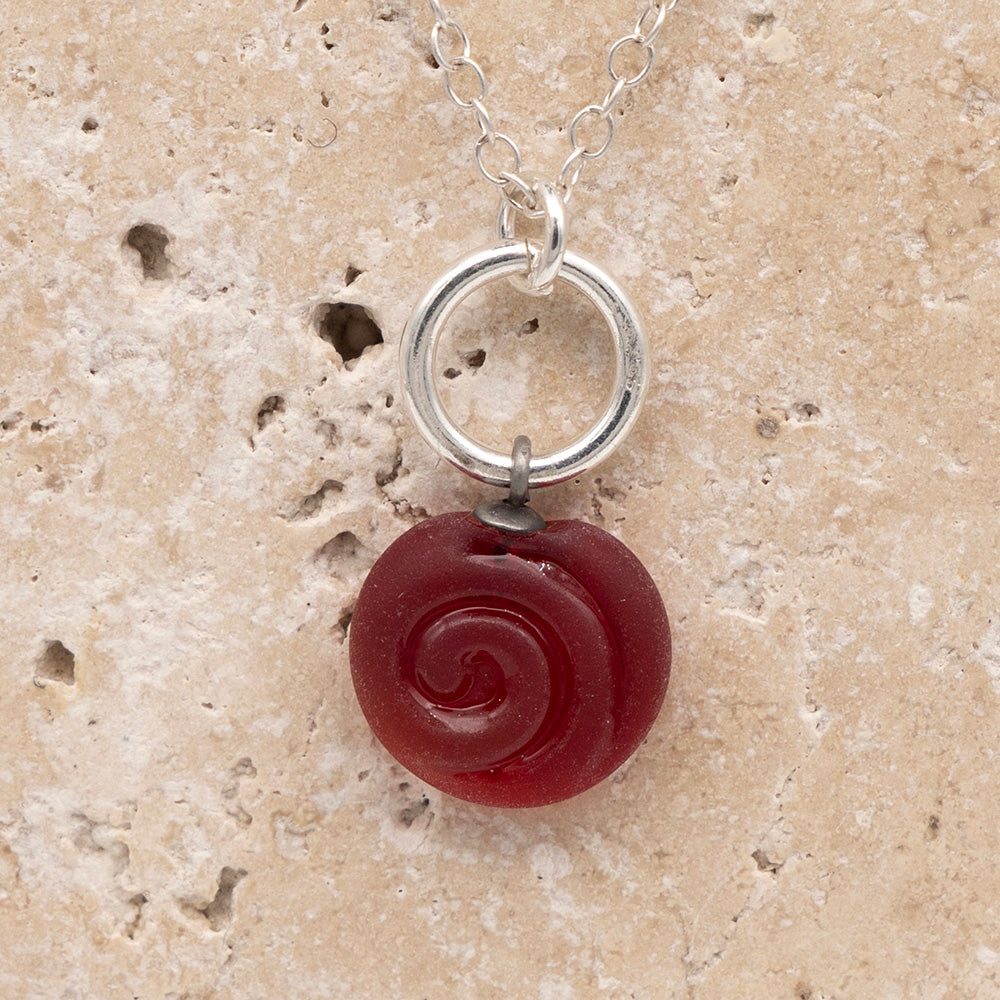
(417, 360)
(547, 258)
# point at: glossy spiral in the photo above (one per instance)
(506, 670)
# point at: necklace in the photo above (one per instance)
(501, 659)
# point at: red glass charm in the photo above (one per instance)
(509, 670)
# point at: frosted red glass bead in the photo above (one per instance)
(509, 670)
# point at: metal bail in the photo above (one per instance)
(545, 259)
(520, 470)
(513, 515)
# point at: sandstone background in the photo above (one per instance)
(215, 220)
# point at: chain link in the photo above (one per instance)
(453, 53)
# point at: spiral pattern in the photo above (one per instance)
(508, 670)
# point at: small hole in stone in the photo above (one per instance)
(408, 815)
(531, 326)
(219, 911)
(344, 558)
(311, 505)
(56, 663)
(344, 621)
(271, 406)
(474, 359)
(327, 430)
(352, 274)
(151, 242)
(451, 373)
(340, 549)
(764, 863)
(385, 476)
(350, 328)
(759, 24)
(90, 125)
(138, 901)
(767, 427)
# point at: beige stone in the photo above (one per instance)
(803, 202)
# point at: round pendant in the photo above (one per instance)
(509, 670)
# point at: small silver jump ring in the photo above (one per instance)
(547, 258)
(520, 471)
(637, 78)
(659, 15)
(613, 96)
(592, 111)
(499, 179)
(440, 58)
(570, 172)
(459, 63)
(483, 122)
(417, 360)
(517, 193)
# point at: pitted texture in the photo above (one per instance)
(212, 213)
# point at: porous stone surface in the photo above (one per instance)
(216, 218)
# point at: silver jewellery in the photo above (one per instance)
(538, 265)
(417, 359)
(506, 660)
(515, 190)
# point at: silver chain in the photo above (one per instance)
(448, 38)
